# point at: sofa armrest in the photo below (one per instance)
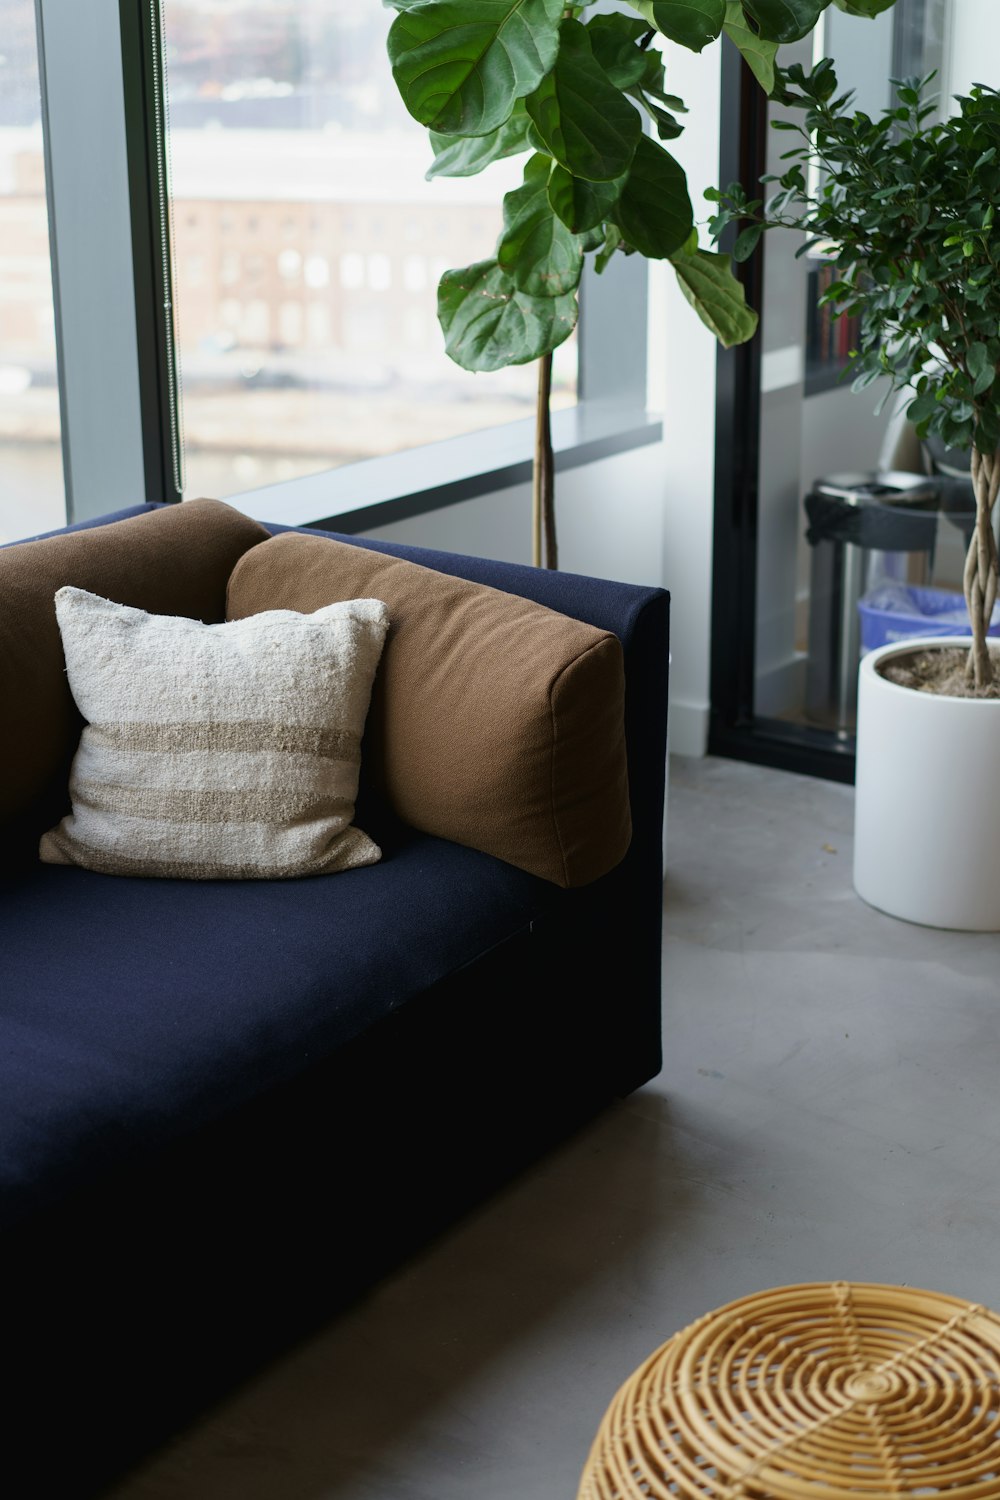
(628, 905)
(597, 601)
(639, 616)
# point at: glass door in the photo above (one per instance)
(837, 525)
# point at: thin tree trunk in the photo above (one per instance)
(980, 580)
(544, 550)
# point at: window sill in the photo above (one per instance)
(377, 491)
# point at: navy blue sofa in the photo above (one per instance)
(227, 1107)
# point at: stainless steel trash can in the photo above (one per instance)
(862, 527)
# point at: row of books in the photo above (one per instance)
(829, 340)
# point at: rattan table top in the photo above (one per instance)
(828, 1391)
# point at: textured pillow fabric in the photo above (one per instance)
(175, 561)
(224, 751)
(495, 722)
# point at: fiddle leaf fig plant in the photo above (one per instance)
(582, 93)
(904, 206)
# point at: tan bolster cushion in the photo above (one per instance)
(174, 561)
(495, 722)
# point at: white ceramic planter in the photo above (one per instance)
(927, 810)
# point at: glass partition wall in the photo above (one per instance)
(833, 524)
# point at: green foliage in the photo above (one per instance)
(758, 51)
(707, 282)
(585, 123)
(904, 208)
(465, 155)
(654, 210)
(692, 23)
(539, 254)
(869, 8)
(488, 324)
(462, 67)
(497, 78)
(580, 204)
(784, 20)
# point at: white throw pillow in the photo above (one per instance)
(216, 751)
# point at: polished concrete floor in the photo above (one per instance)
(829, 1108)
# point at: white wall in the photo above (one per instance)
(682, 384)
(974, 44)
(609, 518)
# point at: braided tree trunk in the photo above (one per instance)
(981, 566)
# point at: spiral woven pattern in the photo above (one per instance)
(819, 1392)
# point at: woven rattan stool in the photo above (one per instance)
(823, 1392)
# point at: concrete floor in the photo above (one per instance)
(828, 1109)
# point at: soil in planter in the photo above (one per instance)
(941, 672)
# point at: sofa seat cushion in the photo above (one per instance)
(136, 1012)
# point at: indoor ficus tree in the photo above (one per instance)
(904, 206)
(573, 87)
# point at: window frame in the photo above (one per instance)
(736, 730)
(90, 239)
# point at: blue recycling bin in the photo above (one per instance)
(892, 611)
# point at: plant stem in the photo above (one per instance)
(544, 549)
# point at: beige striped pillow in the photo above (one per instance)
(216, 751)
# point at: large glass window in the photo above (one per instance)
(32, 497)
(307, 248)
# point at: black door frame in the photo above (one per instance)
(735, 730)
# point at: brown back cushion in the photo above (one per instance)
(495, 722)
(174, 561)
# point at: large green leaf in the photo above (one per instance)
(758, 53)
(584, 121)
(463, 156)
(582, 205)
(693, 23)
(614, 43)
(539, 254)
(708, 283)
(870, 8)
(460, 67)
(654, 211)
(785, 20)
(488, 324)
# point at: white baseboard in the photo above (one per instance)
(687, 732)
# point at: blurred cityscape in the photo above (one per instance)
(307, 250)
